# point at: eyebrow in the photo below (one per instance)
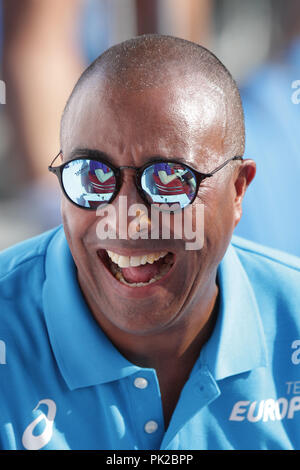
(90, 154)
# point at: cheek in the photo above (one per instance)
(76, 223)
(219, 221)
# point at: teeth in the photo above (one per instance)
(120, 261)
(113, 256)
(126, 261)
(135, 260)
(151, 259)
(143, 259)
(123, 261)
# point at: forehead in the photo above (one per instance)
(178, 119)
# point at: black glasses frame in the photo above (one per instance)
(58, 171)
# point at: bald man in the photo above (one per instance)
(116, 336)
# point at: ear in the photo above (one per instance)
(245, 175)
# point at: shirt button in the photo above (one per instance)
(140, 382)
(150, 427)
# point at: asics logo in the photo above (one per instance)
(36, 442)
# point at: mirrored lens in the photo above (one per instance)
(89, 183)
(169, 183)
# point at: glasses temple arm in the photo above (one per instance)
(223, 164)
(50, 166)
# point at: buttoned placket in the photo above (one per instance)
(146, 408)
(147, 411)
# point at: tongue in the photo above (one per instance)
(141, 273)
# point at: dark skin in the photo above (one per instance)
(165, 325)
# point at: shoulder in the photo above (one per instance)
(23, 261)
(251, 253)
(274, 277)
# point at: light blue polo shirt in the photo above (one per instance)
(63, 385)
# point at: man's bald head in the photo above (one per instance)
(152, 61)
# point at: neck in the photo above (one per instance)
(178, 344)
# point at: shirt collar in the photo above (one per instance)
(237, 343)
(80, 346)
(83, 352)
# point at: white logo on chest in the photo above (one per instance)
(32, 442)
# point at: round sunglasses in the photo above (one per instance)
(92, 182)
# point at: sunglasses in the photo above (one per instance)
(92, 182)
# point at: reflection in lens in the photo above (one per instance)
(89, 183)
(169, 183)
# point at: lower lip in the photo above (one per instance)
(136, 292)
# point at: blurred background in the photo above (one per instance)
(46, 44)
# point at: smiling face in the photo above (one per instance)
(130, 127)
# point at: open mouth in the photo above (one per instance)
(139, 271)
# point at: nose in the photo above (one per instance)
(128, 187)
(131, 212)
